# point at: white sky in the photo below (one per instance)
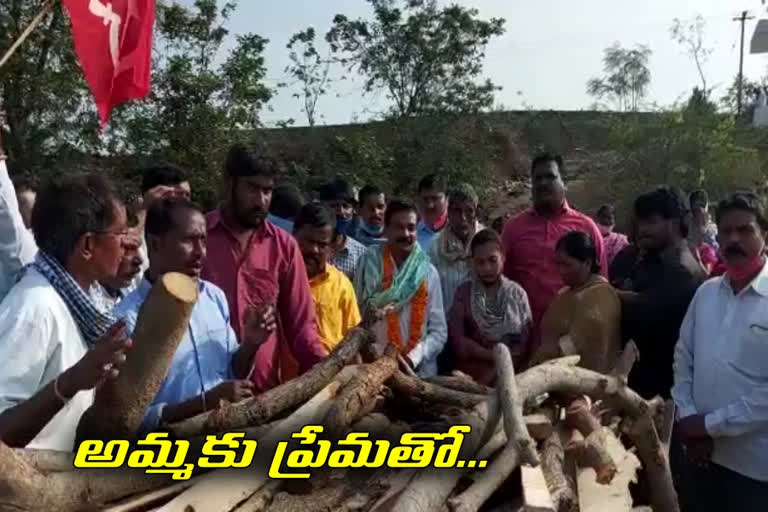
(548, 52)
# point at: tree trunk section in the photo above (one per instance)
(512, 406)
(120, 405)
(268, 405)
(561, 485)
(359, 393)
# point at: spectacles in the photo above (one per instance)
(117, 234)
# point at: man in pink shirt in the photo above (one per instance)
(530, 237)
(259, 265)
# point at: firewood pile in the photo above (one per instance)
(556, 437)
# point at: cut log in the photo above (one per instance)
(120, 404)
(486, 482)
(465, 384)
(430, 488)
(428, 392)
(23, 488)
(539, 426)
(629, 356)
(223, 489)
(614, 497)
(512, 406)
(561, 485)
(667, 424)
(359, 393)
(47, 461)
(536, 496)
(591, 451)
(261, 500)
(642, 432)
(395, 482)
(142, 501)
(268, 405)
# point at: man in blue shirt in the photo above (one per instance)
(433, 203)
(209, 365)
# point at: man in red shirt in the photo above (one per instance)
(259, 265)
(530, 237)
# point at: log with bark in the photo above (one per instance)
(120, 404)
(560, 482)
(24, 488)
(268, 405)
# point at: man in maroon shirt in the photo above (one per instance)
(529, 238)
(259, 265)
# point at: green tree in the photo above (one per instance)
(309, 70)
(200, 99)
(428, 59)
(625, 79)
(690, 35)
(45, 106)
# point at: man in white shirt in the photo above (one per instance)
(400, 274)
(48, 324)
(721, 369)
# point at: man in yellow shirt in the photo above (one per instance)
(332, 292)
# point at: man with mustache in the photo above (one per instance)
(373, 203)
(662, 284)
(721, 368)
(529, 238)
(209, 365)
(398, 277)
(259, 265)
(332, 292)
(107, 293)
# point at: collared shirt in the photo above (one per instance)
(17, 243)
(284, 224)
(529, 241)
(105, 301)
(664, 284)
(435, 329)
(721, 371)
(39, 340)
(335, 305)
(426, 234)
(269, 270)
(452, 272)
(347, 257)
(203, 358)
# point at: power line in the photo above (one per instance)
(742, 19)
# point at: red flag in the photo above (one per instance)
(113, 41)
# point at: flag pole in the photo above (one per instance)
(47, 8)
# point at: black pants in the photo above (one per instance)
(717, 489)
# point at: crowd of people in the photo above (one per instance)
(282, 280)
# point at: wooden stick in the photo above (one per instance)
(561, 485)
(512, 406)
(120, 405)
(626, 361)
(358, 393)
(488, 481)
(222, 490)
(47, 461)
(429, 392)
(260, 501)
(268, 405)
(536, 496)
(465, 384)
(46, 9)
(141, 501)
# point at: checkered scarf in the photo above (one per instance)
(93, 324)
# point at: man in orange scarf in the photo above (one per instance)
(399, 274)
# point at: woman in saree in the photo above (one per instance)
(585, 316)
(487, 309)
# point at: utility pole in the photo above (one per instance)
(742, 19)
